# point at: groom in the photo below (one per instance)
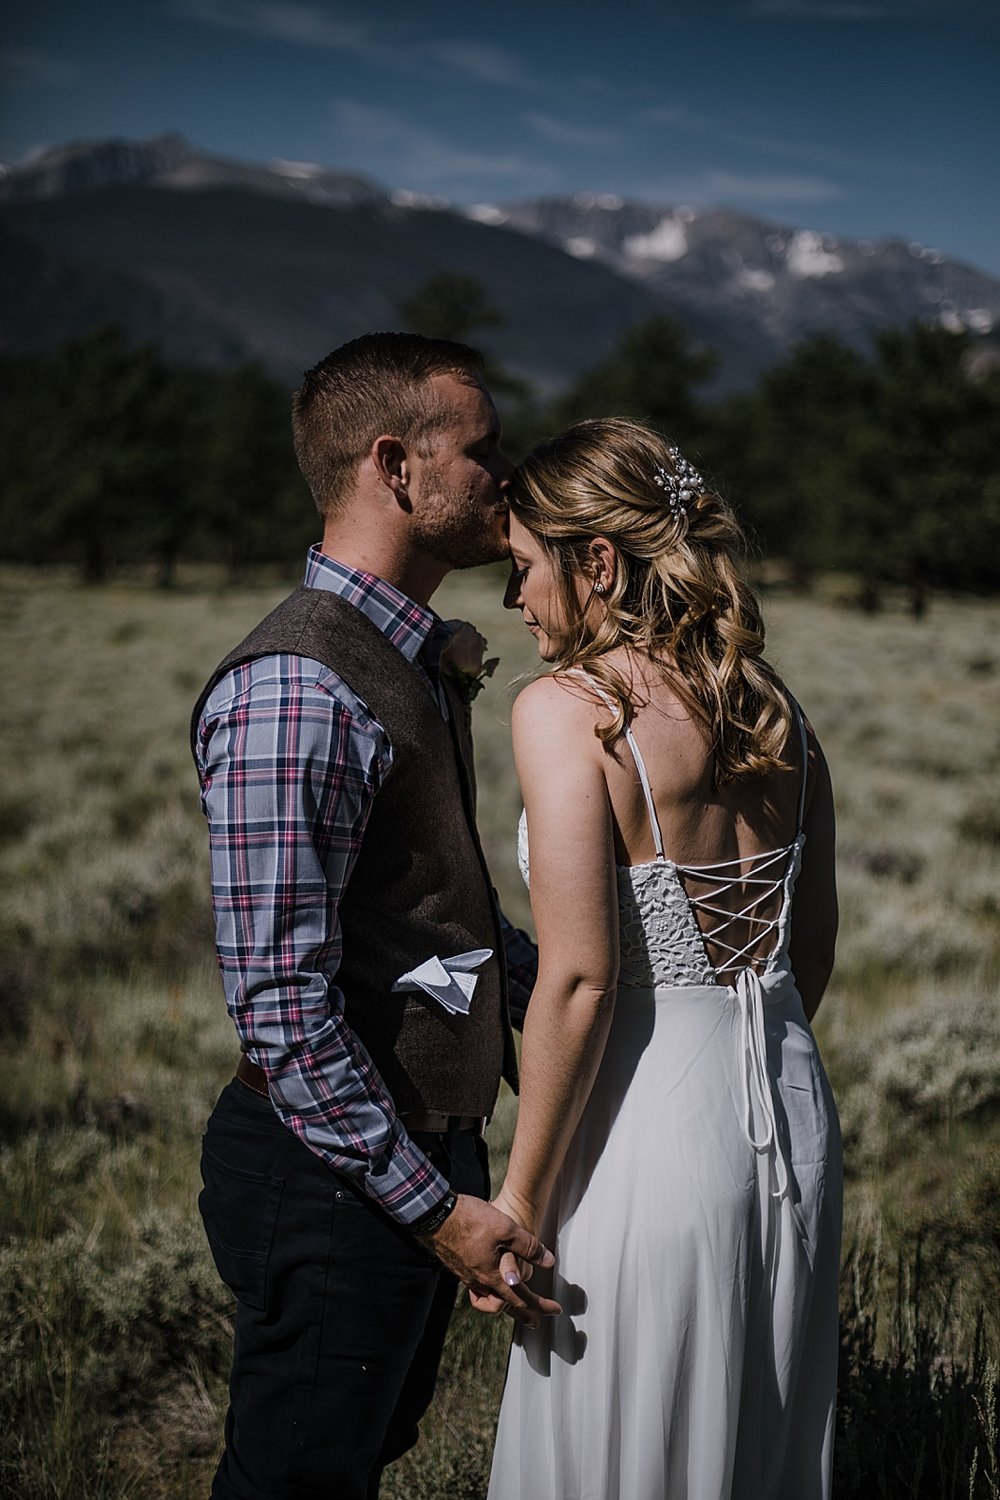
(361, 948)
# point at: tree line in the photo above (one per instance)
(883, 465)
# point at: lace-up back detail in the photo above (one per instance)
(661, 939)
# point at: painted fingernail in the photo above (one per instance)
(512, 1278)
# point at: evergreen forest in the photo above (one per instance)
(882, 466)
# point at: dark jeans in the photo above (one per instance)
(340, 1313)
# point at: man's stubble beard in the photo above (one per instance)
(453, 529)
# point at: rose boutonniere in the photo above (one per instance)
(462, 660)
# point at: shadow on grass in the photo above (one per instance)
(917, 1403)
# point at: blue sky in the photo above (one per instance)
(861, 118)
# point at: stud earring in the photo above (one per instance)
(598, 588)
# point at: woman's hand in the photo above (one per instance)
(516, 1207)
(523, 1213)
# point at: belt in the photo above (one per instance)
(255, 1079)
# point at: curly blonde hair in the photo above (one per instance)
(677, 595)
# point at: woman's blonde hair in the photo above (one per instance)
(677, 595)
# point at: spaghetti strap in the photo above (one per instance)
(805, 762)
(640, 764)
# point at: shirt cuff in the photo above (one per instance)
(409, 1186)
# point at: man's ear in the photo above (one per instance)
(392, 465)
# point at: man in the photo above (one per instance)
(359, 941)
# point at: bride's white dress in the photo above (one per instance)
(696, 1224)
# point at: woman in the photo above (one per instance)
(677, 1144)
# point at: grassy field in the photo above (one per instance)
(113, 1328)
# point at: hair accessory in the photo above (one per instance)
(682, 486)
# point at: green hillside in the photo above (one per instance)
(283, 281)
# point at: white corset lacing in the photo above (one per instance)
(662, 943)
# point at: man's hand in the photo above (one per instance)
(522, 1213)
(482, 1247)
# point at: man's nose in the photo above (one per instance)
(504, 471)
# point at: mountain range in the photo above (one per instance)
(220, 261)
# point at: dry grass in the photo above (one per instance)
(112, 1327)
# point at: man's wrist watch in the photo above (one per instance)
(430, 1223)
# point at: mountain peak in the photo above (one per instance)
(82, 166)
(170, 161)
(263, 254)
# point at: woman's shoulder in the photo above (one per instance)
(555, 707)
(568, 693)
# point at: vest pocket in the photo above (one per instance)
(239, 1210)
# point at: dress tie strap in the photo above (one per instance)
(754, 1077)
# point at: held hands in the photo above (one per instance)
(482, 1246)
(524, 1214)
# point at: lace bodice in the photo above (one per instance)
(659, 937)
(661, 941)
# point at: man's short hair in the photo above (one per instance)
(375, 384)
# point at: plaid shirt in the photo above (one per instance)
(290, 762)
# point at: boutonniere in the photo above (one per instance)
(462, 660)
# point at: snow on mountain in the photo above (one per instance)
(787, 281)
(169, 161)
(745, 287)
(667, 242)
(809, 254)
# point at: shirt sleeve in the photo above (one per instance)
(290, 763)
(521, 955)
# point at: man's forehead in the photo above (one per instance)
(468, 399)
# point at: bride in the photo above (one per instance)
(677, 1144)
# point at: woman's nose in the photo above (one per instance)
(512, 593)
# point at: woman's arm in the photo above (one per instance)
(814, 908)
(575, 906)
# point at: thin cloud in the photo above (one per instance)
(679, 117)
(735, 187)
(865, 10)
(480, 60)
(823, 10)
(308, 26)
(594, 83)
(710, 189)
(367, 122)
(303, 25)
(822, 156)
(561, 133)
(30, 66)
(422, 158)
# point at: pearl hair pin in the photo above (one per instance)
(680, 487)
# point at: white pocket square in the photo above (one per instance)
(449, 981)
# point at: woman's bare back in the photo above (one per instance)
(700, 824)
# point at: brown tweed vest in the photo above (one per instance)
(420, 885)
